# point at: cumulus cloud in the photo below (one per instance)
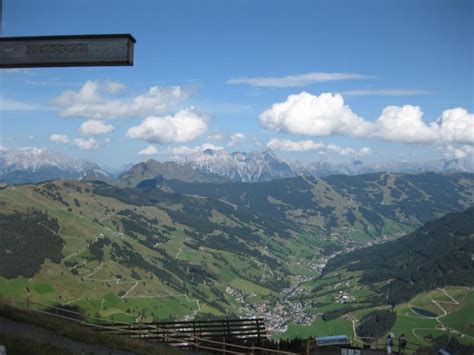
(236, 138)
(310, 145)
(186, 125)
(95, 127)
(322, 115)
(150, 150)
(326, 115)
(298, 80)
(113, 86)
(90, 102)
(2, 148)
(59, 138)
(405, 124)
(459, 152)
(86, 144)
(457, 125)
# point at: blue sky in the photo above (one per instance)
(231, 61)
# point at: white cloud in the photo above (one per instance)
(150, 150)
(236, 138)
(405, 124)
(326, 115)
(365, 151)
(296, 80)
(457, 125)
(95, 127)
(215, 137)
(459, 152)
(322, 115)
(113, 86)
(13, 105)
(310, 145)
(86, 144)
(186, 125)
(89, 101)
(385, 92)
(292, 146)
(59, 138)
(183, 150)
(2, 148)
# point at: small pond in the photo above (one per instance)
(424, 312)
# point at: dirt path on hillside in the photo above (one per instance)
(12, 329)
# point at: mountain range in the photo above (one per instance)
(24, 165)
(31, 165)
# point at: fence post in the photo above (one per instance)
(258, 330)
(307, 347)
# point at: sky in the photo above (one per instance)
(312, 80)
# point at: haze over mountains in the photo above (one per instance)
(25, 165)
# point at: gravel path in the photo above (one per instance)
(10, 328)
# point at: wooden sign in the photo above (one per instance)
(66, 51)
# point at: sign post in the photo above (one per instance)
(66, 51)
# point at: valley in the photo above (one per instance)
(180, 250)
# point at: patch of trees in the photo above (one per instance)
(376, 324)
(97, 248)
(336, 313)
(51, 191)
(330, 249)
(26, 240)
(427, 195)
(131, 259)
(196, 212)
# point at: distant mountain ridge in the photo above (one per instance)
(24, 165)
(211, 166)
(241, 166)
(153, 169)
(32, 165)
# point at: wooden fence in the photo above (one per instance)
(228, 330)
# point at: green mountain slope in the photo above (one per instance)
(362, 206)
(420, 285)
(436, 255)
(130, 252)
(187, 249)
(152, 169)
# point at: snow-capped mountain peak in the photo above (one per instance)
(39, 164)
(240, 166)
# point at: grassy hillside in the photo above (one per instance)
(438, 254)
(185, 249)
(130, 253)
(424, 280)
(358, 207)
(153, 169)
